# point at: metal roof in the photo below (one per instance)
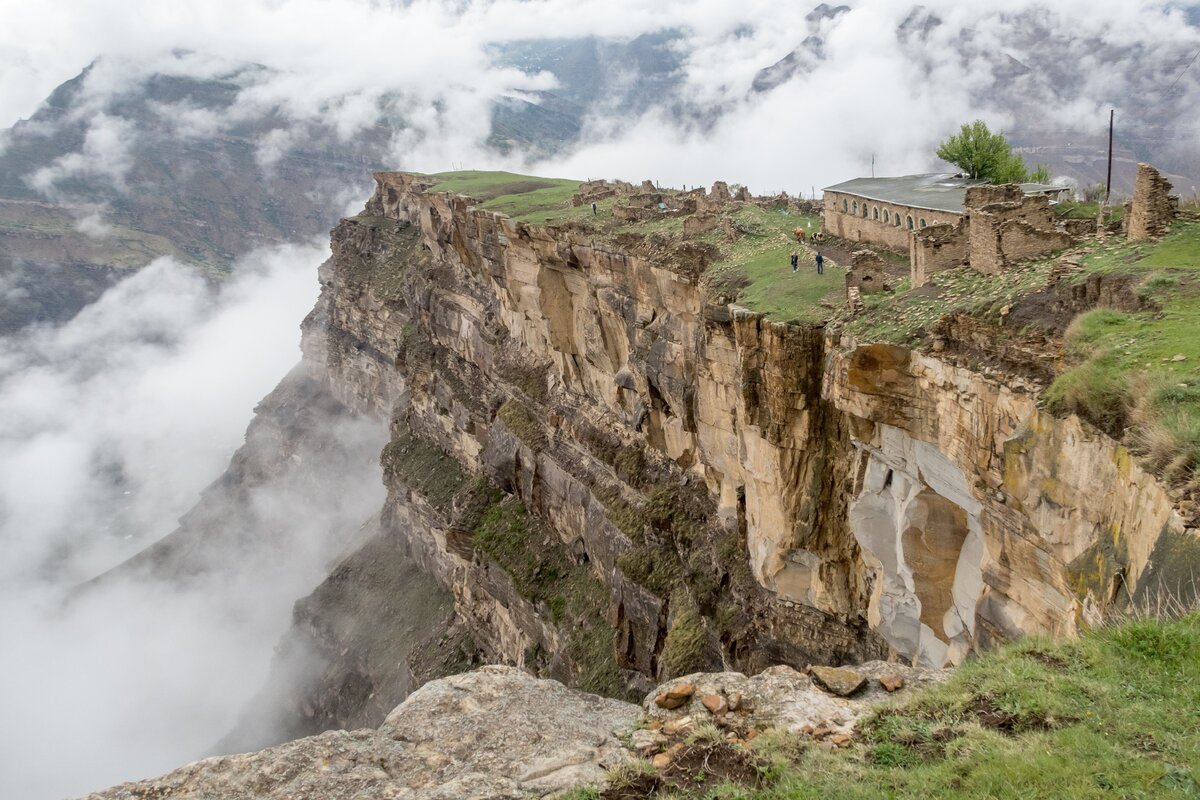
(935, 192)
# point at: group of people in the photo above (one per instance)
(820, 260)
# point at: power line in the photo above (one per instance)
(1185, 69)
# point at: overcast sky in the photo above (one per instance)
(872, 94)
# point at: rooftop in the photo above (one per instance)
(935, 192)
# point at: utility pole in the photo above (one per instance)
(1108, 183)
(872, 165)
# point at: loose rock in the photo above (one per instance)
(892, 683)
(676, 696)
(715, 703)
(677, 726)
(839, 681)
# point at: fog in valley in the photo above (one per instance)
(111, 424)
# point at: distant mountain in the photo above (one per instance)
(1040, 68)
(75, 212)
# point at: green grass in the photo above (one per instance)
(756, 265)
(1124, 377)
(1079, 209)
(764, 258)
(522, 197)
(1113, 714)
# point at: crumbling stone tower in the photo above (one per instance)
(1153, 207)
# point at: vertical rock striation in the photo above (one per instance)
(618, 480)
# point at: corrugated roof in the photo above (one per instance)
(937, 192)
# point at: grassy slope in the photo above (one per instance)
(1125, 376)
(757, 262)
(1113, 714)
(763, 256)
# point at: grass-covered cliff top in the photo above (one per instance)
(1131, 366)
(1115, 714)
(751, 266)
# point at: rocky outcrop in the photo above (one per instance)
(493, 733)
(618, 481)
(981, 514)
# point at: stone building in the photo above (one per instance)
(1001, 226)
(886, 211)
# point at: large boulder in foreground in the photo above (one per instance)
(496, 732)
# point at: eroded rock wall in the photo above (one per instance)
(619, 481)
(983, 517)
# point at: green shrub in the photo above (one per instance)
(1153, 641)
(684, 648)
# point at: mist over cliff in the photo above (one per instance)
(213, 130)
(111, 426)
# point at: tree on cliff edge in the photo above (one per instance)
(982, 154)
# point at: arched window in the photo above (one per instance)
(910, 222)
(922, 222)
(896, 219)
(886, 218)
(845, 206)
(875, 213)
(856, 208)
(864, 210)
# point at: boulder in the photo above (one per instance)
(840, 681)
(497, 732)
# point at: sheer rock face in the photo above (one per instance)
(496, 733)
(983, 518)
(816, 501)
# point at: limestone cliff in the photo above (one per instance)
(620, 480)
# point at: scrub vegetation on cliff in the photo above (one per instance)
(1136, 373)
(1115, 713)
(751, 267)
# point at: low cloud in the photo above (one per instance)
(109, 428)
(106, 153)
(879, 78)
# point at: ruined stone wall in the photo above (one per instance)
(1153, 208)
(1009, 231)
(868, 272)
(937, 248)
(1001, 227)
(884, 224)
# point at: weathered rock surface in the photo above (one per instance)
(838, 680)
(493, 733)
(617, 481)
(782, 697)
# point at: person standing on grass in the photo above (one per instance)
(795, 262)
(593, 209)
(820, 263)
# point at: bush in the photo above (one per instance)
(683, 650)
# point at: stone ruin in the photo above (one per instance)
(1153, 208)
(868, 272)
(702, 210)
(1000, 227)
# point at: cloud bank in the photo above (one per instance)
(881, 78)
(109, 428)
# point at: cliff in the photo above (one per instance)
(621, 479)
